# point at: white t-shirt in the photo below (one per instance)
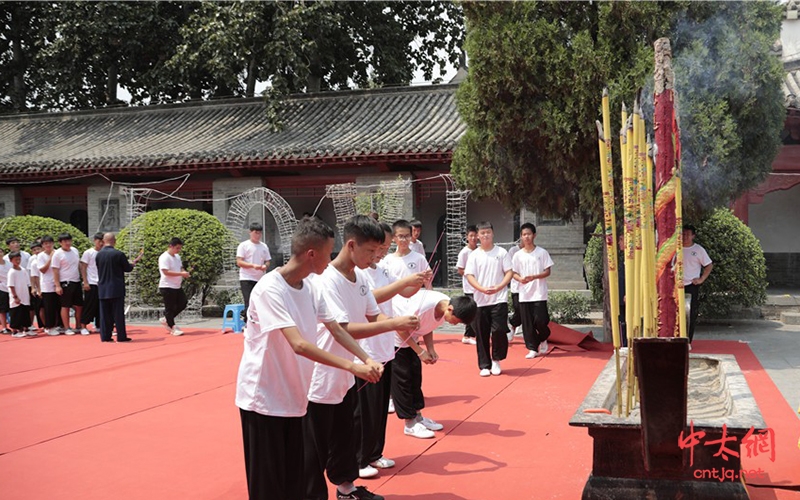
(20, 281)
(33, 266)
(380, 347)
(695, 258)
(489, 268)
(253, 253)
(67, 263)
(25, 259)
(528, 264)
(170, 263)
(272, 379)
(347, 302)
(90, 259)
(463, 256)
(400, 267)
(5, 267)
(514, 283)
(46, 280)
(423, 305)
(417, 246)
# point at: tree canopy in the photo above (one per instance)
(537, 70)
(71, 55)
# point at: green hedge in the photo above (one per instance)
(27, 228)
(593, 263)
(204, 239)
(567, 307)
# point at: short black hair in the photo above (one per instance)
(311, 232)
(375, 216)
(98, 236)
(689, 227)
(415, 223)
(484, 224)
(472, 228)
(256, 226)
(400, 224)
(13, 255)
(11, 240)
(64, 236)
(464, 308)
(36, 244)
(528, 225)
(47, 238)
(175, 241)
(362, 228)
(386, 228)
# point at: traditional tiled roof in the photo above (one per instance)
(409, 122)
(791, 89)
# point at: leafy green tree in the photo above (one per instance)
(27, 228)
(537, 70)
(22, 37)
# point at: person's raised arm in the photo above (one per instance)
(348, 342)
(379, 324)
(302, 347)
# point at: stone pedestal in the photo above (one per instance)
(564, 242)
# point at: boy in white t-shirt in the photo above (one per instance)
(461, 264)
(5, 267)
(489, 272)
(416, 244)
(252, 258)
(20, 299)
(433, 309)
(697, 265)
(50, 301)
(278, 360)
(328, 424)
(531, 267)
(91, 303)
(67, 281)
(36, 294)
(169, 285)
(372, 405)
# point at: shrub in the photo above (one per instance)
(739, 277)
(567, 307)
(27, 228)
(204, 240)
(593, 264)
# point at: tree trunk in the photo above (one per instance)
(18, 92)
(314, 82)
(111, 84)
(250, 91)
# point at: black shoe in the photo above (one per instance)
(126, 339)
(104, 340)
(360, 493)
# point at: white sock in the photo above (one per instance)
(410, 422)
(346, 488)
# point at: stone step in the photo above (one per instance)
(790, 318)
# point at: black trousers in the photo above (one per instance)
(469, 328)
(535, 323)
(516, 318)
(174, 303)
(247, 288)
(492, 324)
(112, 312)
(406, 384)
(91, 311)
(329, 446)
(370, 417)
(273, 456)
(20, 317)
(36, 307)
(52, 309)
(694, 292)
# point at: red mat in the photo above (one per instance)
(155, 419)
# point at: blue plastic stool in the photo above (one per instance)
(235, 320)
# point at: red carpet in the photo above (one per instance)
(155, 419)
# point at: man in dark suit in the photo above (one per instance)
(111, 268)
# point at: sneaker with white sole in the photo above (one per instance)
(472, 341)
(51, 331)
(69, 331)
(485, 372)
(18, 335)
(391, 405)
(465, 340)
(163, 322)
(31, 333)
(543, 347)
(176, 331)
(510, 334)
(418, 431)
(367, 472)
(85, 331)
(360, 493)
(496, 370)
(383, 463)
(530, 355)
(429, 424)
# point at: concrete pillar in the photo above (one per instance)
(564, 242)
(107, 208)
(229, 188)
(10, 202)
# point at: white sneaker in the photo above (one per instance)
(496, 368)
(543, 347)
(383, 463)
(31, 333)
(85, 331)
(368, 471)
(51, 331)
(530, 355)
(510, 335)
(485, 372)
(518, 333)
(418, 431)
(18, 335)
(472, 341)
(465, 340)
(429, 424)
(69, 331)
(176, 331)
(163, 322)
(391, 405)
